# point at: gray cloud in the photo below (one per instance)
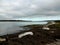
(20, 8)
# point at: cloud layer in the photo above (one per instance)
(10, 9)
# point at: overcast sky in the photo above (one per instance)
(10, 9)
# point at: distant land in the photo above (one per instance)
(14, 21)
(28, 21)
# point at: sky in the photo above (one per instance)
(21, 9)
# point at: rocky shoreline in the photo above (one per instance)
(40, 36)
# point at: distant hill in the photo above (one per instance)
(28, 21)
(14, 21)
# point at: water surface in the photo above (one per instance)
(13, 27)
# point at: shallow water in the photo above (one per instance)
(13, 27)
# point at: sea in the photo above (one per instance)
(14, 27)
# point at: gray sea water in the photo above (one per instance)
(13, 27)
